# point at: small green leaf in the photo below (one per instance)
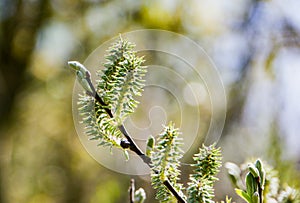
(243, 195)
(150, 145)
(255, 197)
(262, 172)
(253, 170)
(126, 154)
(251, 184)
(258, 164)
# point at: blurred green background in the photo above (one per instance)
(254, 44)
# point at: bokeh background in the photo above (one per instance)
(254, 44)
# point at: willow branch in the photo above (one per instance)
(130, 142)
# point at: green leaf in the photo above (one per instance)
(255, 197)
(262, 172)
(243, 195)
(251, 184)
(150, 145)
(126, 154)
(253, 170)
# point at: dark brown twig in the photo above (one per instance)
(174, 192)
(133, 147)
(131, 191)
(259, 191)
(131, 144)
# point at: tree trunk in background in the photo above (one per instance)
(20, 23)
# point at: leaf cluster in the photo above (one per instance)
(261, 184)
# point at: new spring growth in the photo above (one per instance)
(150, 145)
(83, 76)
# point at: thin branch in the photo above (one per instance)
(131, 191)
(131, 144)
(259, 191)
(174, 192)
(133, 147)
